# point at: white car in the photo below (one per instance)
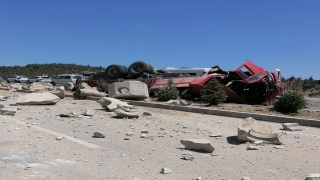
(40, 79)
(63, 78)
(17, 79)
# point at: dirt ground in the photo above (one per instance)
(38, 144)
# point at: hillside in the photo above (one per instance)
(51, 70)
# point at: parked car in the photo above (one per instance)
(40, 79)
(63, 78)
(17, 79)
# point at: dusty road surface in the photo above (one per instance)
(38, 144)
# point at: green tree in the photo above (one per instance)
(213, 92)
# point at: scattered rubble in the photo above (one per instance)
(291, 127)
(112, 103)
(98, 135)
(44, 98)
(252, 148)
(40, 86)
(3, 98)
(166, 171)
(245, 178)
(313, 176)
(249, 130)
(188, 156)
(122, 113)
(202, 145)
(146, 114)
(9, 112)
(1, 105)
(89, 112)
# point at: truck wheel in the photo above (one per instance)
(8, 81)
(137, 68)
(116, 71)
(150, 69)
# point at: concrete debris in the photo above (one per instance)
(127, 109)
(202, 145)
(112, 103)
(215, 135)
(84, 86)
(278, 147)
(98, 135)
(70, 114)
(40, 86)
(188, 156)
(9, 112)
(183, 102)
(128, 90)
(252, 148)
(1, 105)
(199, 178)
(245, 178)
(144, 131)
(59, 93)
(58, 138)
(16, 86)
(249, 130)
(38, 99)
(69, 86)
(166, 171)
(146, 114)
(143, 136)
(89, 112)
(3, 98)
(122, 113)
(83, 93)
(313, 176)
(291, 127)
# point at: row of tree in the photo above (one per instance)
(299, 84)
(51, 70)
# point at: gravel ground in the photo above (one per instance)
(38, 144)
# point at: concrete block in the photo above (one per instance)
(128, 90)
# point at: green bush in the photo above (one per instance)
(103, 87)
(290, 101)
(213, 92)
(167, 93)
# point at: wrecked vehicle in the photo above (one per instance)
(248, 84)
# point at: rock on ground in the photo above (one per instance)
(9, 112)
(291, 127)
(313, 176)
(166, 171)
(44, 98)
(202, 145)
(98, 135)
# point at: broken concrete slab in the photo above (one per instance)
(188, 156)
(313, 176)
(183, 102)
(112, 103)
(146, 114)
(166, 171)
(40, 86)
(3, 98)
(9, 112)
(84, 86)
(291, 127)
(202, 145)
(122, 113)
(128, 90)
(98, 135)
(252, 148)
(44, 98)
(89, 112)
(89, 92)
(1, 105)
(16, 86)
(59, 93)
(249, 130)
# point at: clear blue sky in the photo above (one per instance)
(175, 33)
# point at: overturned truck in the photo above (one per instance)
(249, 84)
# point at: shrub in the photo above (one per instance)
(103, 87)
(290, 101)
(167, 93)
(213, 92)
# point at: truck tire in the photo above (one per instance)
(115, 71)
(137, 68)
(150, 69)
